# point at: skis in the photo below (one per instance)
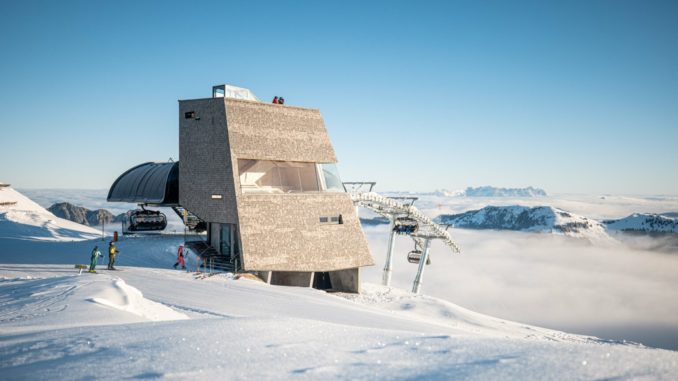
(204, 275)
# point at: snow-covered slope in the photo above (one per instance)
(644, 223)
(21, 218)
(542, 219)
(57, 327)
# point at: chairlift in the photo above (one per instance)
(405, 225)
(414, 256)
(146, 220)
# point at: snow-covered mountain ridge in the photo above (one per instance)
(22, 218)
(484, 191)
(489, 191)
(83, 215)
(644, 223)
(548, 219)
(542, 219)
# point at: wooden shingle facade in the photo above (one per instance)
(247, 168)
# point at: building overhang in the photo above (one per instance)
(148, 183)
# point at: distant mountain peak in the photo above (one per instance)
(22, 218)
(82, 215)
(490, 191)
(645, 223)
(543, 219)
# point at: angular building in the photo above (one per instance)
(263, 178)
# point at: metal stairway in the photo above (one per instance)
(192, 222)
(211, 259)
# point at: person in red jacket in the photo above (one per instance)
(180, 258)
(275, 100)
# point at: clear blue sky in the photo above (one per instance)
(571, 96)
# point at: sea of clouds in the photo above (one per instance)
(612, 289)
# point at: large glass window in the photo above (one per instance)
(331, 179)
(266, 176)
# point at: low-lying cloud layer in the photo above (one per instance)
(558, 282)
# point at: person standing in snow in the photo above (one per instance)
(180, 258)
(95, 256)
(112, 251)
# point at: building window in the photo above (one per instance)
(266, 176)
(330, 179)
(331, 220)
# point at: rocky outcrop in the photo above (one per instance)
(84, 216)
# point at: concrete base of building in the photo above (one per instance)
(347, 280)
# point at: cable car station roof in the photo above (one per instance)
(148, 183)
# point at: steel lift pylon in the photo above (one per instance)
(417, 225)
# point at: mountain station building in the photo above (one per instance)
(263, 178)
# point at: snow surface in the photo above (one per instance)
(243, 329)
(24, 219)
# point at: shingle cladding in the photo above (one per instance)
(278, 232)
(274, 132)
(284, 233)
(205, 167)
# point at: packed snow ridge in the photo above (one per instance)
(542, 219)
(22, 218)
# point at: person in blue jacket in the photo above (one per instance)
(95, 256)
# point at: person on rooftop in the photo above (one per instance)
(275, 100)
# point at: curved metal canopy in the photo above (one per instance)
(148, 183)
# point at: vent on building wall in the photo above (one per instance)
(331, 220)
(217, 197)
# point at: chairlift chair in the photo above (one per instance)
(405, 225)
(414, 256)
(146, 220)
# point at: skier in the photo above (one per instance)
(180, 258)
(275, 100)
(112, 250)
(95, 255)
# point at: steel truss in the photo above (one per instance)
(398, 209)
